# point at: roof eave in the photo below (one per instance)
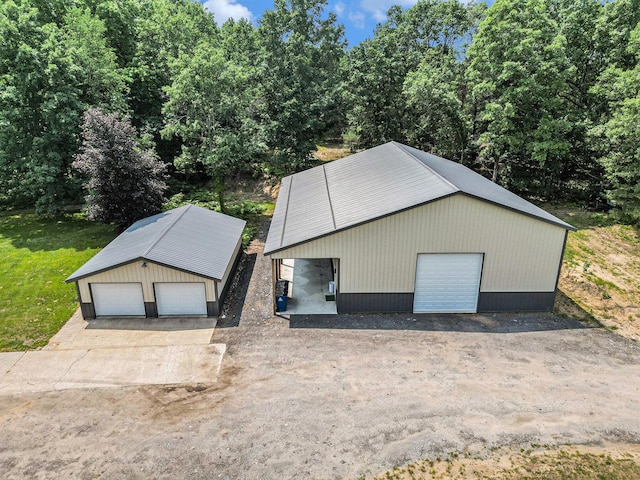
(139, 259)
(75, 278)
(560, 224)
(317, 237)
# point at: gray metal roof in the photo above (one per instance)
(188, 238)
(375, 183)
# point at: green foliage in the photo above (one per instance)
(37, 255)
(519, 71)
(577, 21)
(432, 94)
(164, 30)
(543, 101)
(101, 82)
(39, 108)
(299, 78)
(613, 32)
(209, 108)
(53, 64)
(619, 133)
(406, 83)
(123, 183)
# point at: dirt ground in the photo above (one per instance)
(338, 397)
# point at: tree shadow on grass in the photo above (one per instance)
(68, 231)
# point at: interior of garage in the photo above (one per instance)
(308, 286)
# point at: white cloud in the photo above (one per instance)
(225, 9)
(379, 8)
(357, 18)
(339, 8)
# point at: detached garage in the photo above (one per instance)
(178, 262)
(402, 230)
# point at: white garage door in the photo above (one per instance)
(117, 299)
(447, 282)
(181, 298)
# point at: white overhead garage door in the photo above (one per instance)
(181, 298)
(117, 299)
(447, 282)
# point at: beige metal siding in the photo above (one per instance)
(133, 272)
(522, 254)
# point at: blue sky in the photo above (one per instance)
(359, 17)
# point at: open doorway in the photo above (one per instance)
(311, 285)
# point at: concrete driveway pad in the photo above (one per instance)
(116, 352)
(8, 360)
(110, 367)
(132, 332)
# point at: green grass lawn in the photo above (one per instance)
(37, 255)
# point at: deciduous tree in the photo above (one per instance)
(519, 73)
(123, 182)
(210, 108)
(619, 134)
(299, 79)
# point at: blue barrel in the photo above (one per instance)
(281, 303)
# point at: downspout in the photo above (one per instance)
(274, 267)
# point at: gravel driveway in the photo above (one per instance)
(337, 397)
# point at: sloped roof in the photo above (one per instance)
(188, 238)
(375, 183)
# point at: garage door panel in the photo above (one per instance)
(447, 282)
(181, 298)
(117, 299)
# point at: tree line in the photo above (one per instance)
(541, 96)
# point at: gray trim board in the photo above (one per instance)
(564, 246)
(403, 302)
(276, 250)
(151, 309)
(213, 309)
(374, 302)
(87, 310)
(516, 301)
(515, 210)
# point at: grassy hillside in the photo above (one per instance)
(601, 270)
(37, 255)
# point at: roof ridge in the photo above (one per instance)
(162, 235)
(402, 147)
(326, 184)
(286, 209)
